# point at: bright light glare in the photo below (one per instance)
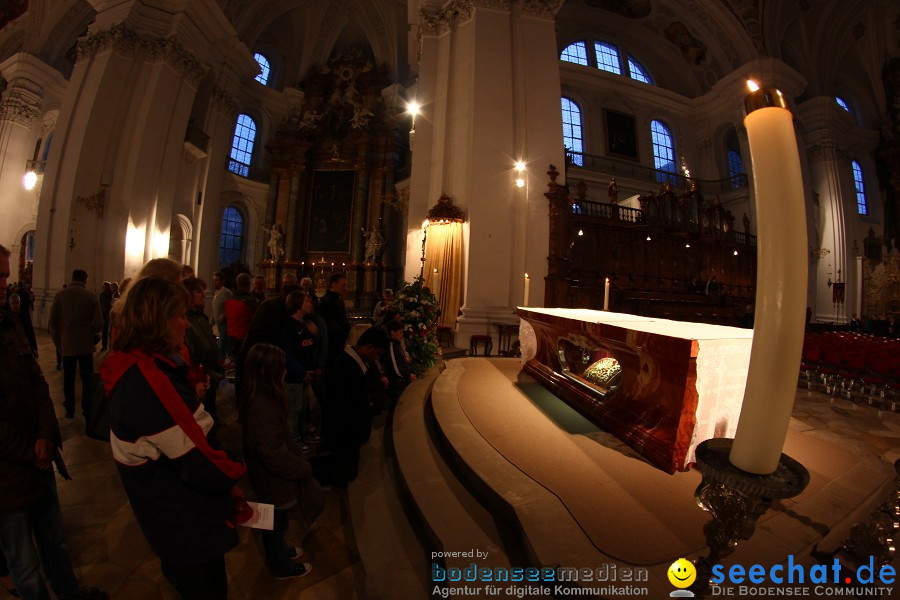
(520, 166)
(520, 182)
(29, 180)
(413, 108)
(752, 85)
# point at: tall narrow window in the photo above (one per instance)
(242, 146)
(47, 143)
(572, 137)
(663, 152)
(607, 57)
(575, 53)
(264, 68)
(636, 71)
(231, 244)
(736, 170)
(29, 247)
(842, 103)
(861, 204)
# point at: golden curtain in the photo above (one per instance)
(444, 251)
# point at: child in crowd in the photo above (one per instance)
(278, 469)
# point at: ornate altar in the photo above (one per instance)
(335, 159)
(660, 386)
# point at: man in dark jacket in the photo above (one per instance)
(75, 324)
(270, 316)
(30, 519)
(201, 342)
(333, 312)
(348, 418)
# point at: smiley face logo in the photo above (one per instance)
(682, 573)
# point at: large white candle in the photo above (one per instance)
(527, 290)
(780, 284)
(606, 295)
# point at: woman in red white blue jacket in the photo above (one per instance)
(179, 482)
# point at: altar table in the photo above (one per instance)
(676, 384)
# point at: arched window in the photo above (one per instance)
(231, 244)
(663, 152)
(242, 146)
(735, 169)
(28, 245)
(572, 137)
(861, 204)
(607, 57)
(264, 68)
(575, 53)
(842, 103)
(47, 143)
(636, 71)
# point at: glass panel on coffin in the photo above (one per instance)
(592, 367)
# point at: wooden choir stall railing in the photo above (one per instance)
(674, 255)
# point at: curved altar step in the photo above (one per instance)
(580, 498)
(450, 517)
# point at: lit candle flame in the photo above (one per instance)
(752, 85)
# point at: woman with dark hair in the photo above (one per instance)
(179, 483)
(278, 469)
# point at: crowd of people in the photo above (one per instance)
(306, 397)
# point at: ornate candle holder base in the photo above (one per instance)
(736, 500)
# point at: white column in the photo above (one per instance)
(489, 88)
(120, 135)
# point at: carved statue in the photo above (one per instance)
(613, 191)
(360, 118)
(374, 243)
(310, 119)
(746, 224)
(276, 242)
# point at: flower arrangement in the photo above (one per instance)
(418, 310)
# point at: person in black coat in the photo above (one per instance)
(333, 312)
(396, 363)
(348, 418)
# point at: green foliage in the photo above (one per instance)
(419, 313)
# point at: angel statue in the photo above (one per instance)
(276, 242)
(374, 243)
